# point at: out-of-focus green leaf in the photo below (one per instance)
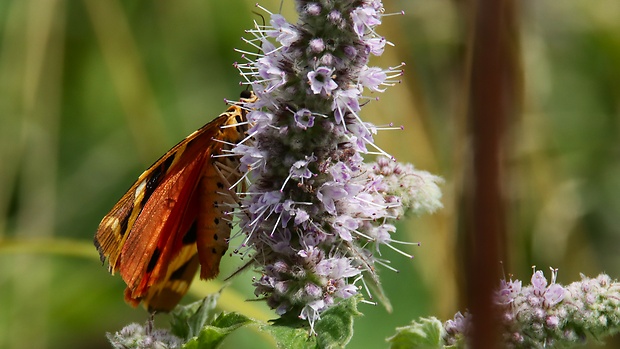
(187, 321)
(211, 336)
(422, 334)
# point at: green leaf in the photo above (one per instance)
(333, 330)
(187, 321)
(425, 334)
(211, 336)
(201, 327)
(293, 336)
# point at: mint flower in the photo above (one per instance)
(320, 80)
(315, 214)
(544, 314)
(143, 337)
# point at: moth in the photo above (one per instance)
(172, 219)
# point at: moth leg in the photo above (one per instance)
(225, 172)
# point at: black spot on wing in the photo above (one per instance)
(191, 235)
(178, 274)
(153, 261)
(124, 222)
(156, 177)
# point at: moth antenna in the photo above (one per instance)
(261, 17)
(231, 170)
(218, 168)
(240, 269)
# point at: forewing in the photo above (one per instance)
(157, 234)
(151, 234)
(145, 229)
(117, 224)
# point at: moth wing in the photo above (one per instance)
(118, 223)
(165, 295)
(148, 217)
(157, 234)
(204, 227)
(150, 235)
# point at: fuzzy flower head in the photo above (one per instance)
(545, 314)
(143, 337)
(315, 214)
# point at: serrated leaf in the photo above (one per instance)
(423, 334)
(230, 320)
(292, 337)
(187, 321)
(333, 330)
(211, 336)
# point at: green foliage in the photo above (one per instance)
(333, 330)
(212, 335)
(188, 320)
(202, 328)
(423, 334)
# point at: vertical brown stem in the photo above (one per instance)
(492, 88)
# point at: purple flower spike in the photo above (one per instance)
(313, 212)
(541, 315)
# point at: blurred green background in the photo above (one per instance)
(92, 92)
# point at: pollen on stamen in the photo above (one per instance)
(367, 237)
(253, 43)
(380, 152)
(398, 250)
(367, 289)
(389, 127)
(262, 8)
(249, 53)
(400, 13)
